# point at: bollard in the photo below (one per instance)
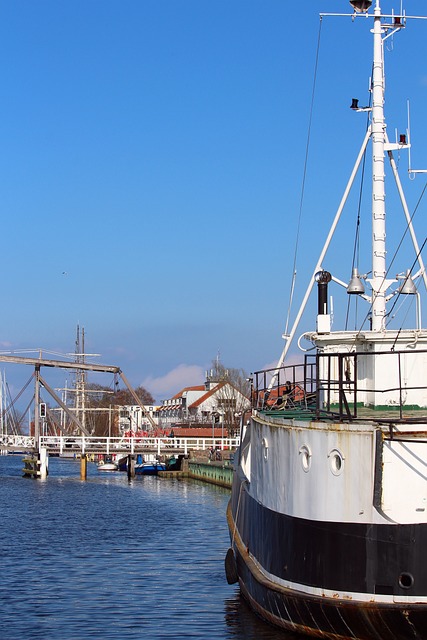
(131, 467)
(83, 467)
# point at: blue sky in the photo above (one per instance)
(152, 154)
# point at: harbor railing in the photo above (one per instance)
(74, 445)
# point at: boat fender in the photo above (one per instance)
(231, 567)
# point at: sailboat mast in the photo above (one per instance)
(80, 383)
(83, 381)
(378, 135)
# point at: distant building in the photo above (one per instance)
(216, 402)
(132, 418)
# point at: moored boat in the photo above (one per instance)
(328, 514)
(107, 465)
(149, 465)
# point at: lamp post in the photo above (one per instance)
(213, 425)
(221, 418)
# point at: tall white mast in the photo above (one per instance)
(377, 134)
(378, 128)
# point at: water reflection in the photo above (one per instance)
(244, 624)
(116, 559)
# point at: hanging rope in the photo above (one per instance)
(294, 267)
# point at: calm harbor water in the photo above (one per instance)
(108, 558)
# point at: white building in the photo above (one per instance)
(202, 405)
(132, 418)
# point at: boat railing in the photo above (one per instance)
(284, 388)
(387, 386)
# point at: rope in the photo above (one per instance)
(237, 513)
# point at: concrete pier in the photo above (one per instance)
(219, 472)
(31, 466)
(36, 465)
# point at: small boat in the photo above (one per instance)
(148, 466)
(123, 463)
(328, 513)
(107, 465)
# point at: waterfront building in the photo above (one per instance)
(216, 402)
(133, 420)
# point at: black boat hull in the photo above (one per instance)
(323, 617)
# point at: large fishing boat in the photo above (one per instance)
(328, 514)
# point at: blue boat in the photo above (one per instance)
(149, 467)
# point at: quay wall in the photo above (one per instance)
(213, 471)
(219, 472)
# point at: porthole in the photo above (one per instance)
(336, 462)
(305, 457)
(406, 580)
(265, 448)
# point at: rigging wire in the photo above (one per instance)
(13, 402)
(395, 256)
(16, 427)
(27, 408)
(399, 293)
(406, 231)
(356, 247)
(294, 266)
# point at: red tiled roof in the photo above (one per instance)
(200, 387)
(207, 395)
(197, 432)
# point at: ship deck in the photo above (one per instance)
(380, 415)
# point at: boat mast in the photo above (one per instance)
(80, 399)
(378, 280)
(377, 134)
